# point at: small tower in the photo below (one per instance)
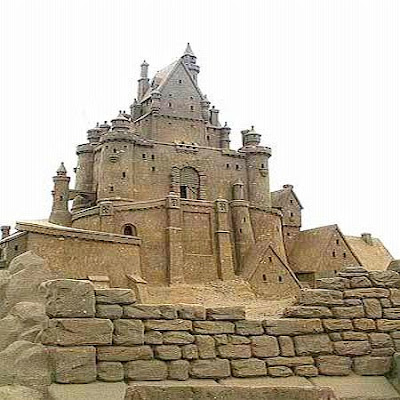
(5, 231)
(257, 169)
(189, 59)
(143, 82)
(60, 214)
(224, 136)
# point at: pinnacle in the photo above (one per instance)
(61, 169)
(189, 51)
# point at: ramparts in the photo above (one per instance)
(350, 324)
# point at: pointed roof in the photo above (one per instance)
(161, 78)
(188, 51)
(309, 248)
(374, 256)
(281, 197)
(61, 169)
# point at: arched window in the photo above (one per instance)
(129, 230)
(189, 183)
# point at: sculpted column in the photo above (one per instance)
(174, 239)
(225, 258)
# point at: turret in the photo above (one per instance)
(224, 136)
(5, 231)
(189, 60)
(257, 168)
(244, 237)
(136, 110)
(115, 161)
(205, 105)
(143, 82)
(60, 214)
(155, 101)
(93, 135)
(214, 119)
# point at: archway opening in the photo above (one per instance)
(129, 230)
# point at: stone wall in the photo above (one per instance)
(350, 324)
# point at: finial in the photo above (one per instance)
(188, 51)
(252, 127)
(61, 169)
(97, 125)
(144, 63)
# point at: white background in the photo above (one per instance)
(319, 79)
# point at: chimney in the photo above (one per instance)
(367, 238)
(5, 231)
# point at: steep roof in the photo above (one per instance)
(309, 248)
(373, 256)
(281, 197)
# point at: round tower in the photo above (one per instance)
(257, 169)
(115, 169)
(224, 136)
(60, 214)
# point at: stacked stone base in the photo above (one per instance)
(349, 325)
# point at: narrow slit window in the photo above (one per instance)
(264, 277)
(333, 253)
(124, 174)
(153, 157)
(280, 279)
(144, 156)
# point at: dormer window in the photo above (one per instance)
(180, 81)
(191, 108)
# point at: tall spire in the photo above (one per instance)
(188, 51)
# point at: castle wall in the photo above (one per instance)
(337, 330)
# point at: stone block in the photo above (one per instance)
(360, 282)
(205, 346)
(248, 368)
(287, 346)
(226, 313)
(349, 312)
(249, 327)
(380, 340)
(177, 337)
(264, 346)
(69, 298)
(115, 296)
(87, 391)
(313, 345)
(364, 324)
(108, 311)
(236, 339)
(395, 335)
(168, 352)
(292, 326)
(168, 325)
(178, 370)
(152, 370)
(352, 348)
(391, 313)
(321, 297)
(335, 325)
(353, 271)
(78, 332)
(289, 361)
(352, 335)
(191, 311)
(190, 352)
(234, 351)
(213, 327)
(306, 370)
(369, 365)
(212, 369)
(352, 302)
(366, 293)
(336, 283)
(335, 336)
(74, 364)
(395, 297)
(111, 371)
(308, 312)
(387, 279)
(221, 339)
(373, 308)
(128, 332)
(383, 352)
(387, 325)
(122, 353)
(396, 343)
(280, 372)
(150, 311)
(334, 365)
(153, 337)
(386, 303)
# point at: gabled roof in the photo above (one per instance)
(310, 245)
(257, 254)
(161, 78)
(373, 256)
(281, 197)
